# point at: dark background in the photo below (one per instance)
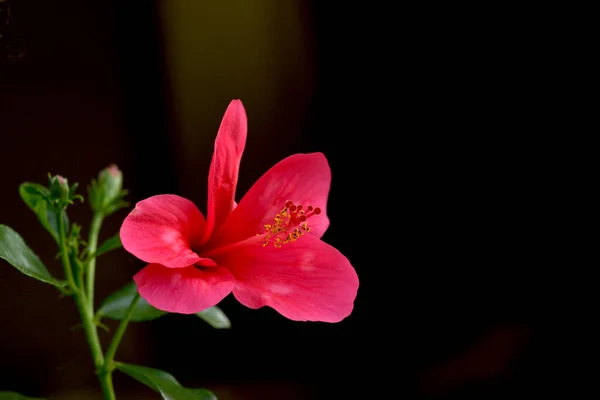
(429, 119)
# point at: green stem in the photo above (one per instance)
(64, 253)
(112, 348)
(87, 318)
(92, 246)
(104, 376)
(78, 271)
(106, 382)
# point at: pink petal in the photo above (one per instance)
(164, 229)
(302, 178)
(305, 280)
(183, 290)
(225, 164)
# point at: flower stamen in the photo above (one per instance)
(289, 224)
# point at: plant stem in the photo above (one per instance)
(78, 272)
(92, 246)
(64, 253)
(104, 375)
(112, 348)
(106, 382)
(87, 318)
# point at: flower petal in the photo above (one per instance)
(225, 164)
(302, 178)
(183, 290)
(305, 280)
(163, 229)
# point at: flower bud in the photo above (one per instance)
(59, 189)
(110, 182)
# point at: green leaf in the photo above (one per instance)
(35, 195)
(16, 396)
(14, 250)
(116, 304)
(113, 242)
(163, 383)
(215, 317)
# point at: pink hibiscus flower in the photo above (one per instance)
(267, 249)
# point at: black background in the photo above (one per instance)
(430, 119)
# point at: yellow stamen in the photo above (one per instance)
(289, 224)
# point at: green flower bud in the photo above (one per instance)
(59, 190)
(110, 182)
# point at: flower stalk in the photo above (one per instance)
(86, 316)
(92, 247)
(80, 276)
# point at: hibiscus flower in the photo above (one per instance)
(267, 249)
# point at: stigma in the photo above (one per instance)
(289, 224)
